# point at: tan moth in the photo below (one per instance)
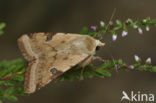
(51, 55)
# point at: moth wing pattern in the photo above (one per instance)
(50, 58)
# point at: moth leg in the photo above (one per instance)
(87, 61)
(90, 59)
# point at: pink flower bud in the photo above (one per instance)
(136, 58)
(117, 66)
(102, 23)
(135, 26)
(131, 67)
(124, 33)
(140, 31)
(114, 37)
(147, 28)
(148, 60)
(93, 28)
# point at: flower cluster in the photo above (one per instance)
(2, 26)
(138, 60)
(118, 65)
(114, 28)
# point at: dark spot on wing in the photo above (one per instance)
(56, 75)
(65, 58)
(63, 41)
(48, 38)
(53, 71)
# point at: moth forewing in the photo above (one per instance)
(54, 55)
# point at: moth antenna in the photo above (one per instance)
(111, 18)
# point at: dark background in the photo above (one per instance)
(29, 16)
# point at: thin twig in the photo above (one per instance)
(111, 18)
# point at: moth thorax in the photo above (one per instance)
(84, 44)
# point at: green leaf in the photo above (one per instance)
(103, 72)
(10, 67)
(77, 75)
(87, 75)
(17, 78)
(142, 68)
(9, 91)
(1, 32)
(4, 72)
(7, 83)
(154, 69)
(11, 98)
(118, 22)
(61, 78)
(102, 32)
(120, 62)
(106, 65)
(92, 34)
(20, 90)
(3, 64)
(1, 92)
(2, 25)
(84, 30)
(68, 77)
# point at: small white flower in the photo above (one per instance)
(140, 31)
(124, 33)
(148, 60)
(147, 28)
(129, 20)
(118, 22)
(136, 58)
(102, 23)
(144, 20)
(135, 26)
(114, 37)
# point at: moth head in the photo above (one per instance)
(99, 44)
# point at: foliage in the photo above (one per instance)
(12, 72)
(118, 28)
(2, 25)
(12, 79)
(105, 69)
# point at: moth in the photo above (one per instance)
(52, 55)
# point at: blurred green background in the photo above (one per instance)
(29, 16)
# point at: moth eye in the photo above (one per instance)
(48, 38)
(97, 48)
(53, 70)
